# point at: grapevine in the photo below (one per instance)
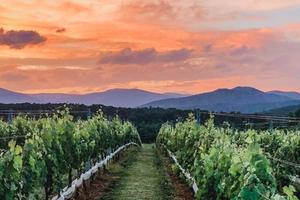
(230, 164)
(54, 150)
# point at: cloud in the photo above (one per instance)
(13, 77)
(148, 9)
(22, 78)
(164, 12)
(20, 39)
(48, 68)
(60, 30)
(240, 50)
(145, 56)
(74, 7)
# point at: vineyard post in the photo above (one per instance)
(89, 113)
(198, 116)
(70, 177)
(271, 125)
(10, 116)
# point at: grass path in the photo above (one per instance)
(144, 179)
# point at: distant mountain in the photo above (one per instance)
(175, 95)
(114, 97)
(7, 96)
(293, 95)
(55, 98)
(239, 99)
(122, 97)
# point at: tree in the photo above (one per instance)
(297, 113)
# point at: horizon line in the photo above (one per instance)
(141, 89)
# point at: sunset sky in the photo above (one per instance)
(192, 46)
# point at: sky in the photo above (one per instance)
(194, 46)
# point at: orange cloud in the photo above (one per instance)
(73, 7)
(152, 41)
(170, 14)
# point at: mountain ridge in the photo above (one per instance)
(114, 97)
(238, 99)
(291, 94)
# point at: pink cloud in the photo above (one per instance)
(20, 39)
(145, 56)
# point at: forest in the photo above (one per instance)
(148, 120)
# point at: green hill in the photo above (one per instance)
(283, 111)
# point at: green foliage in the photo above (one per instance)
(297, 113)
(53, 148)
(10, 172)
(231, 164)
(147, 120)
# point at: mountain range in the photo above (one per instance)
(114, 97)
(239, 99)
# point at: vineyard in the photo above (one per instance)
(223, 163)
(39, 158)
(55, 155)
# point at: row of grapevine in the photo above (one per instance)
(54, 150)
(230, 164)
